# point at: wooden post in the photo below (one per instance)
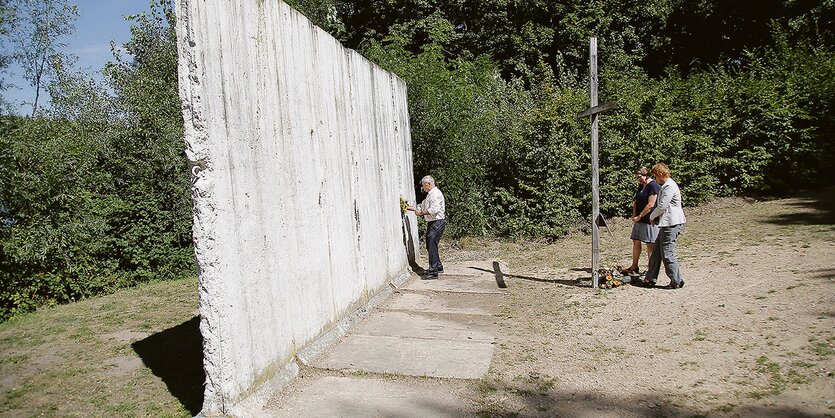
(595, 170)
(593, 111)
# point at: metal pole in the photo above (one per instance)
(595, 171)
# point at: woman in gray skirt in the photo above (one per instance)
(642, 230)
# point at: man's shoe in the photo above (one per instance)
(674, 285)
(643, 282)
(430, 276)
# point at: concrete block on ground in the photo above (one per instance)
(357, 397)
(412, 344)
(461, 359)
(433, 303)
(415, 325)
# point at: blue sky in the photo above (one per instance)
(99, 22)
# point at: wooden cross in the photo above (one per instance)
(593, 111)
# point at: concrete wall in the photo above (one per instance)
(300, 150)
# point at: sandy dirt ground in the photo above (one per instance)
(751, 334)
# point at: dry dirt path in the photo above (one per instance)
(752, 333)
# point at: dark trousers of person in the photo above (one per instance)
(434, 231)
(665, 250)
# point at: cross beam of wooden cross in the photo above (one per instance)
(593, 111)
(598, 109)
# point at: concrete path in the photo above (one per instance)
(410, 357)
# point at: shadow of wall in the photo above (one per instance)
(175, 355)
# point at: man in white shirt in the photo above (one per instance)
(669, 216)
(433, 209)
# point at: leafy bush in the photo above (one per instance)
(514, 161)
(96, 194)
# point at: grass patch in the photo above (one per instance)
(726, 408)
(803, 364)
(777, 383)
(765, 365)
(495, 408)
(757, 394)
(778, 378)
(541, 382)
(65, 356)
(824, 348)
(610, 351)
(13, 359)
(484, 387)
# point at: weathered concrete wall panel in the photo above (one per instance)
(300, 151)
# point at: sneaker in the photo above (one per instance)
(673, 286)
(429, 276)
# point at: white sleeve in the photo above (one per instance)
(663, 202)
(434, 204)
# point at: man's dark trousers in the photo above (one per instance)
(434, 231)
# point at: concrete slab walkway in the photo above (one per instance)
(427, 329)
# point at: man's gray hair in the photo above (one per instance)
(427, 179)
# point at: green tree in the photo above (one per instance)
(51, 246)
(96, 192)
(7, 18)
(699, 34)
(41, 26)
(149, 222)
(323, 13)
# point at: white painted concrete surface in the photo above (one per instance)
(300, 150)
(412, 344)
(331, 397)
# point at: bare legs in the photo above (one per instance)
(636, 253)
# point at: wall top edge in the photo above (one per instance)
(184, 9)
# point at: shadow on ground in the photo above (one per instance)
(557, 402)
(824, 274)
(822, 205)
(511, 401)
(175, 355)
(409, 243)
(500, 278)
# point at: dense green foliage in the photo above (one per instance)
(96, 191)
(737, 100)
(733, 98)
